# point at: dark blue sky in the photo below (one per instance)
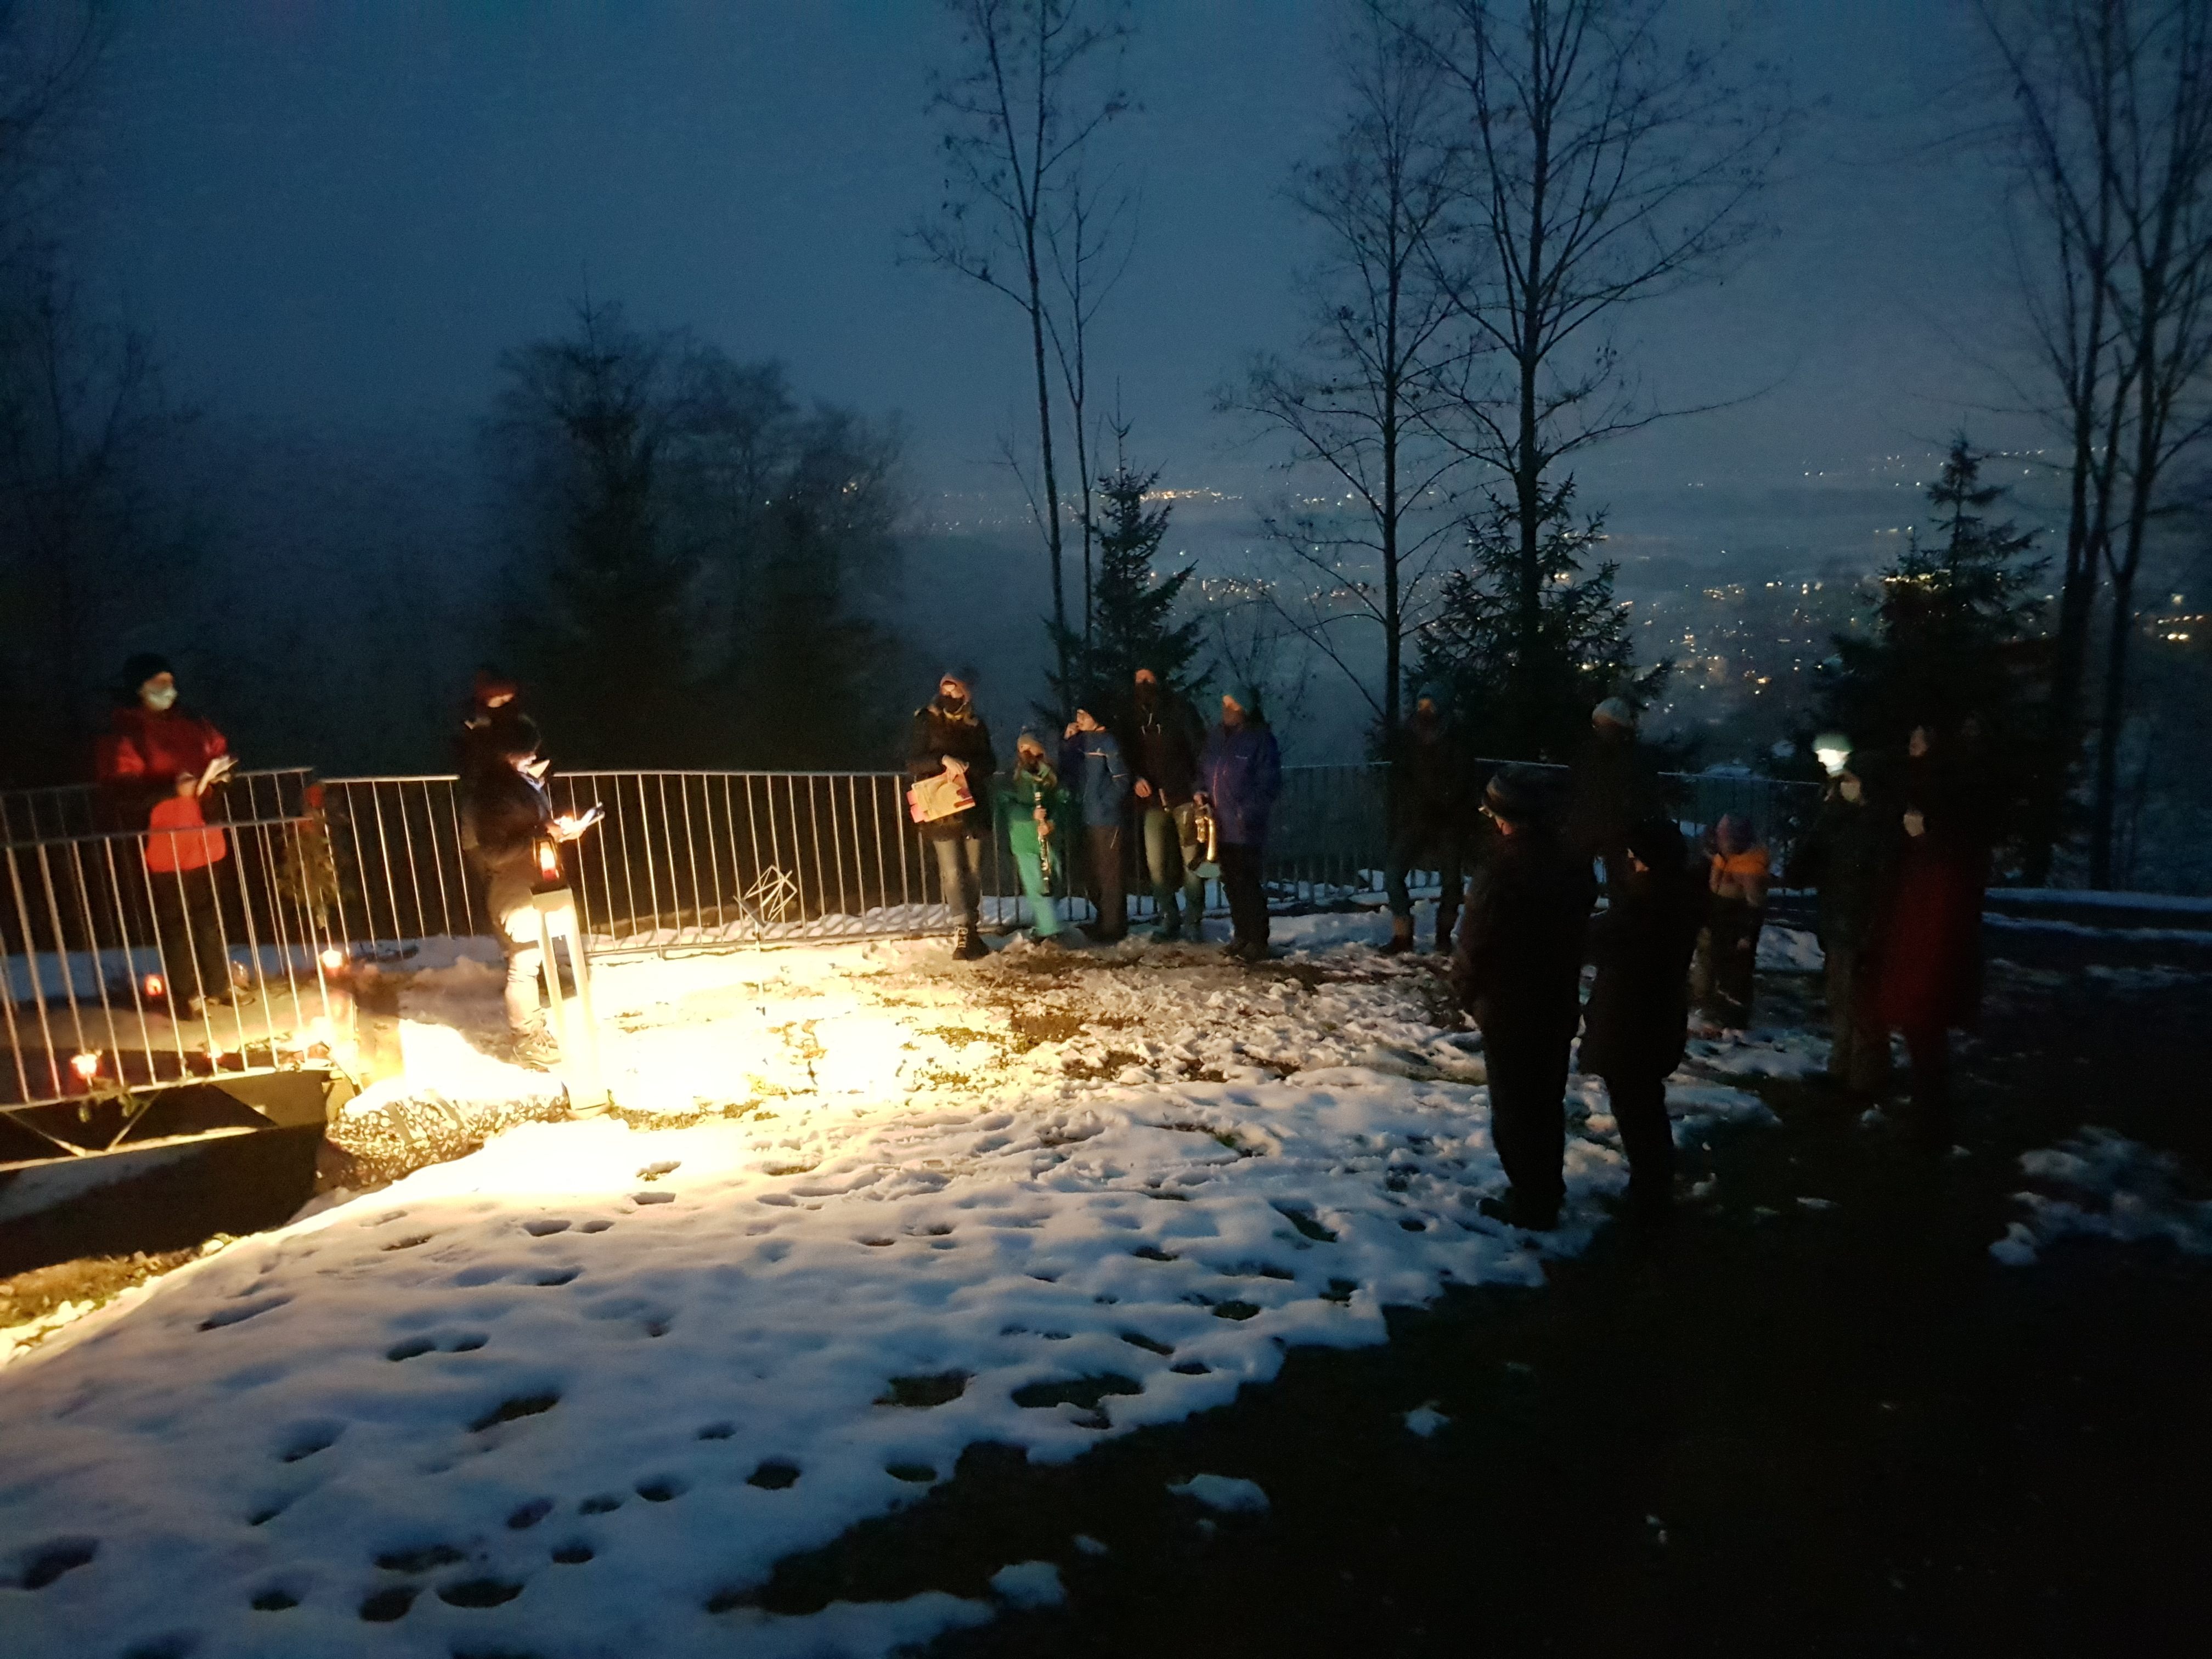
(332, 212)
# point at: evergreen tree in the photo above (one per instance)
(1955, 637)
(1524, 652)
(1133, 623)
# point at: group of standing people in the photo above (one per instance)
(1094, 800)
(1899, 856)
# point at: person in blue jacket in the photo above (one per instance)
(1240, 773)
(1090, 761)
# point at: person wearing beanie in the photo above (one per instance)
(948, 735)
(159, 767)
(492, 698)
(1634, 1029)
(1612, 785)
(1165, 738)
(1032, 808)
(1240, 773)
(1429, 780)
(1737, 878)
(515, 836)
(1517, 968)
(1091, 759)
(154, 739)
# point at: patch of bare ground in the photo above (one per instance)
(91, 1280)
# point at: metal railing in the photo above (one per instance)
(131, 960)
(100, 949)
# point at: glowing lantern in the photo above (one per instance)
(155, 988)
(548, 861)
(333, 959)
(85, 1065)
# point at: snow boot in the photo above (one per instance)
(537, 1048)
(1402, 937)
(1447, 925)
(969, 946)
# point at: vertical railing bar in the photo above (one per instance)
(668, 842)
(753, 832)
(30, 963)
(129, 961)
(691, 851)
(92, 944)
(61, 949)
(437, 860)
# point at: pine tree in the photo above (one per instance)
(1955, 635)
(1133, 623)
(1524, 656)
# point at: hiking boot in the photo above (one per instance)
(537, 1048)
(968, 945)
(1514, 1211)
(1402, 937)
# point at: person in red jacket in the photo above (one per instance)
(157, 766)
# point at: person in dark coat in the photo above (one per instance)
(1612, 785)
(1240, 773)
(515, 838)
(948, 735)
(1638, 1016)
(1091, 761)
(1931, 938)
(1517, 968)
(1429, 781)
(1164, 743)
(160, 768)
(1848, 855)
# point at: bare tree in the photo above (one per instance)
(1018, 113)
(49, 53)
(1361, 405)
(1091, 242)
(2114, 123)
(2061, 59)
(1612, 166)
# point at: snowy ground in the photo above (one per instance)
(575, 1394)
(2098, 1184)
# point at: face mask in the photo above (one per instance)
(160, 699)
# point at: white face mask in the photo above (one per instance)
(159, 698)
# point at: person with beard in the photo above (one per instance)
(159, 769)
(1163, 745)
(948, 735)
(1430, 785)
(1240, 773)
(1517, 968)
(1638, 1016)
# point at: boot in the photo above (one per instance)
(1402, 937)
(1447, 924)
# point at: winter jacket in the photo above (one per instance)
(177, 838)
(1639, 1005)
(1519, 954)
(1163, 745)
(1612, 785)
(1434, 788)
(1100, 777)
(511, 818)
(1016, 799)
(138, 762)
(1741, 877)
(1241, 773)
(1848, 854)
(1931, 958)
(939, 734)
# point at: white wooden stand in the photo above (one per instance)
(576, 1029)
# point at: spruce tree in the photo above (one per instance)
(1132, 613)
(1955, 636)
(1523, 654)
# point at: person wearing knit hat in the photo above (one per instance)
(1240, 773)
(1032, 808)
(948, 737)
(159, 767)
(1612, 785)
(1517, 968)
(1431, 816)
